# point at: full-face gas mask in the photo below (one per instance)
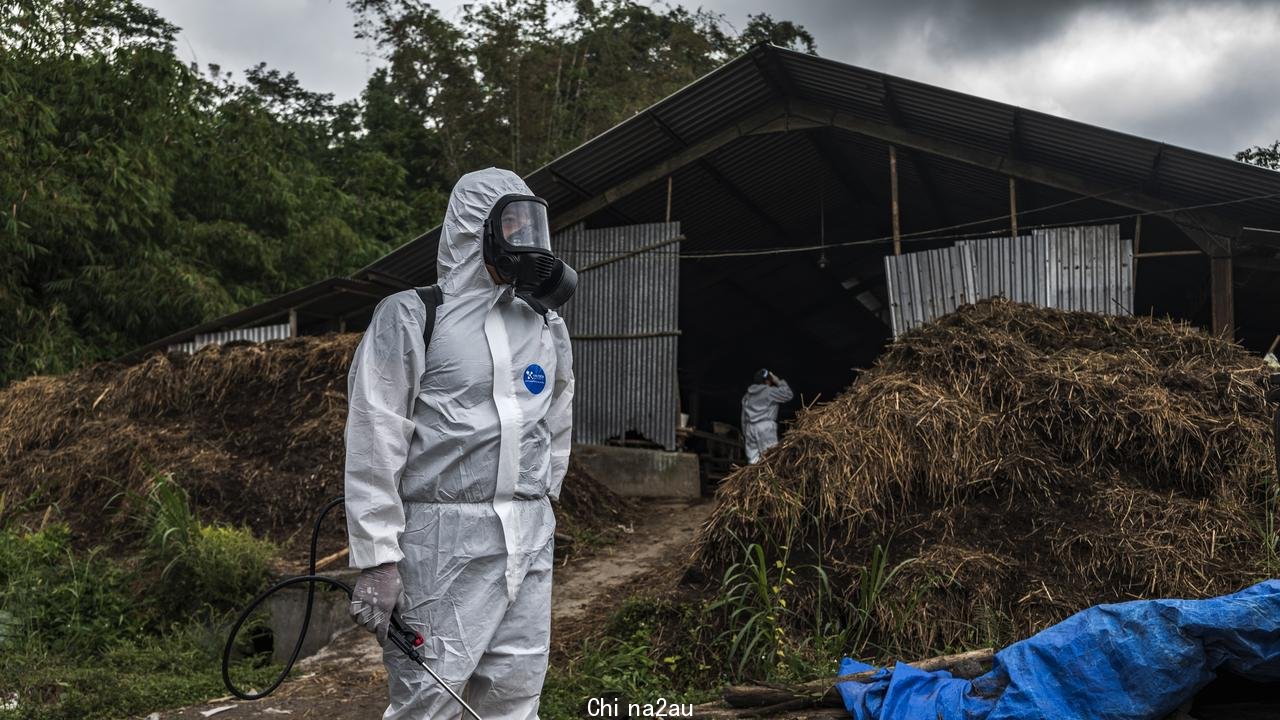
(517, 243)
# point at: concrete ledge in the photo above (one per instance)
(328, 616)
(636, 472)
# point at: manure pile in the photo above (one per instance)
(253, 432)
(1018, 464)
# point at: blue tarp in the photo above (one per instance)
(1129, 661)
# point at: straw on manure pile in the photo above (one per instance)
(1023, 463)
(253, 432)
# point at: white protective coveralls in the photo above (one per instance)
(454, 453)
(760, 416)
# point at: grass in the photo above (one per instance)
(751, 598)
(752, 630)
(626, 663)
(782, 621)
(129, 678)
(96, 634)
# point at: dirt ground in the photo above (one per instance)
(345, 681)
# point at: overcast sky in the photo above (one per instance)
(1204, 75)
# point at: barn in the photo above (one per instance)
(792, 212)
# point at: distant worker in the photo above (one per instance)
(760, 412)
(457, 442)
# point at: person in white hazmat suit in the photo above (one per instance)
(455, 451)
(760, 412)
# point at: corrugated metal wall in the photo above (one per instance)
(253, 334)
(928, 284)
(1009, 267)
(624, 321)
(1089, 268)
(1072, 268)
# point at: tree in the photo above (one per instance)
(142, 195)
(764, 29)
(1267, 157)
(507, 85)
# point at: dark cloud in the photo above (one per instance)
(954, 27)
(1238, 107)
(1188, 73)
(1196, 74)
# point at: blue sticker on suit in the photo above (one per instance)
(535, 378)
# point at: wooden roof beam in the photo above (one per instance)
(770, 119)
(1214, 240)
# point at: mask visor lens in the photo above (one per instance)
(524, 225)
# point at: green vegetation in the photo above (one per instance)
(92, 634)
(142, 195)
(773, 632)
(750, 630)
(203, 568)
(1267, 156)
(631, 662)
(129, 678)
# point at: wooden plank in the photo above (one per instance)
(1223, 297)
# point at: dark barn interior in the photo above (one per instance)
(780, 168)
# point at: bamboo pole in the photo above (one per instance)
(668, 198)
(328, 559)
(893, 191)
(762, 700)
(1137, 243)
(1168, 253)
(1013, 207)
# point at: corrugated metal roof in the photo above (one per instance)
(327, 299)
(740, 88)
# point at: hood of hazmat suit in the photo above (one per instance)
(454, 453)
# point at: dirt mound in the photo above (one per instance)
(253, 432)
(587, 506)
(1017, 464)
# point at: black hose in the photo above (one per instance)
(311, 579)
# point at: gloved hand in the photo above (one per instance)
(375, 595)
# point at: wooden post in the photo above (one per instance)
(668, 198)
(342, 324)
(1222, 296)
(1013, 207)
(293, 323)
(1137, 243)
(893, 191)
